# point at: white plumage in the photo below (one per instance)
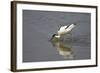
(64, 30)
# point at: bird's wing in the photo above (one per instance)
(70, 28)
(65, 29)
(62, 28)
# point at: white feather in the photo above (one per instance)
(64, 29)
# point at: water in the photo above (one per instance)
(38, 28)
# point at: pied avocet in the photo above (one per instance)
(62, 31)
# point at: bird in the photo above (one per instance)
(62, 31)
(64, 49)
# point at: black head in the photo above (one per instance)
(53, 36)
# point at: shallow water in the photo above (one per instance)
(38, 28)
(45, 50)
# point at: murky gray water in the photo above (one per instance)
(38, 28)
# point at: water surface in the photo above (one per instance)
(38, 28)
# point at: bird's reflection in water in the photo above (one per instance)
(64, 48)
